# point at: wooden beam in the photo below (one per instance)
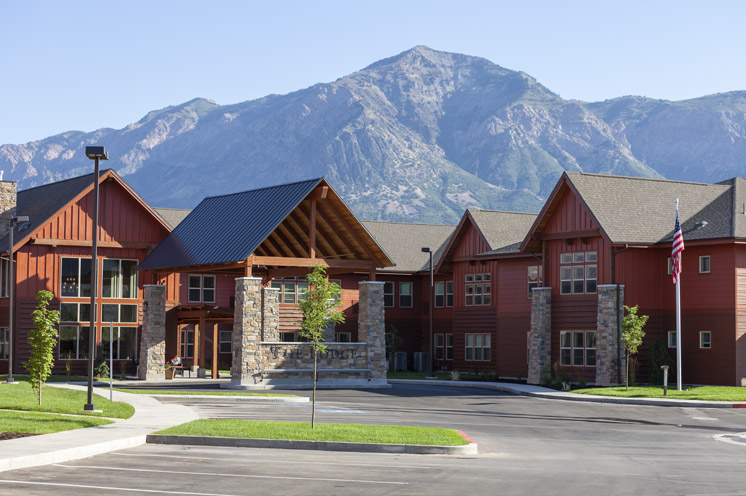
(202, 342)
(306, 262)
(323, 239)
(319, 193)
(330, 237)
(215, 343)
(348, 228)
(89, 243)
(298, 232)
(312, 230)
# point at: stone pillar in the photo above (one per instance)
(609, 349)
(8, 198)
(247, 331)
(271, 315)
(372, 329)
(540, 344)
(153, 342)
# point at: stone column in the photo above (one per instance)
(540, 344)
(271, 315)
(372, 329)
(247, 331)
(7, 205)
(153, 341)
(609, 349)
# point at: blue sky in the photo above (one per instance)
(82, 65)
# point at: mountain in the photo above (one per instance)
(417, 137)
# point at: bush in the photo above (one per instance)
(455, 375)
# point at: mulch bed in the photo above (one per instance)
(13, 435)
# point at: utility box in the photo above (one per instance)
(422, 361)
(398, 361)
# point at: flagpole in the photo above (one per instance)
(678, 318)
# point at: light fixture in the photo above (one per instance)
(95, 153)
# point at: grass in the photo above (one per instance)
(56, 400)
(44, 423)
(705, 393)
(301, 431)
(196, 393)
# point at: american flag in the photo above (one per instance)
(678, 247)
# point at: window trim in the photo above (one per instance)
(4, 343)
(709, 340)
(136, 285)
(573, 348)
(570, 262)
(221, 341)
(77, 342)
(392, 294)
(117, 335)
(442, 294)
(201, 288)
(478, 287)
(449, 294)
(672, 343)
(79, 278)
(702, 258)
(402, 284)
(474, 338)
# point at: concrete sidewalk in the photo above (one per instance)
(150, 416)
(542, 392)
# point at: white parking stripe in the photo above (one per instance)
(109, 488)
(318, 479)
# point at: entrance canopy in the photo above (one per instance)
(275, 232)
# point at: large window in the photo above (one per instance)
(292, 290)
(405, 295)
(578, 348)
(388, 294)
(534, 278)
(119, 279)
(124, 343)
(114, 312)
(76, 277)
(4, 343)
(578, 272)
(74, 342)
(478, 347)
(478, 289)
(75, 312)
(201, 288)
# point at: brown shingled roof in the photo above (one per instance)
(504, 231)
(404, 242)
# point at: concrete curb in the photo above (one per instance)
(206, 398)
(469, 449)
(546, 393)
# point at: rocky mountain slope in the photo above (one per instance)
(417, 137)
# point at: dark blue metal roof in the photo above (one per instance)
(227, 229)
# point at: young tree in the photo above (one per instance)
(320, 310)
(42, 340)
(632, 335)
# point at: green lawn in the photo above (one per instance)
(301, 431)
(56, 400)
(44, 423)
(197, 393)
(705, 393)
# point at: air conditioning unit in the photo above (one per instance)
(400, 360)
(422, 361)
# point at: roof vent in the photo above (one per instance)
(744, 209)
(700, 224)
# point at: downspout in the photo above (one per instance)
(618, 314)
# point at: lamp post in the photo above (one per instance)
(432, 343)
(11, 284)
(94, 153)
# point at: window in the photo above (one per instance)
(704, 264)
(705, 340)
(670, 266)
(201, 288)
(439, 347)
(74, 342)
(337, 299)
(478, 347)
(187, 342)
(76, 277)
(3, 278)
(440, 287)
(388, 294)
(534, 278)
(115, 312)
(672, 339)
(449, 293)
(449, 346)
(4, 343)
(124, 344)
(288, 337)
(478, 289)
(344, 337)
(75, 312)
(579, 273)
(578, 348)
(226, 338)
(119, 279)
(405, 295)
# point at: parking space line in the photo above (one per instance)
(109, 488)
(278, 477)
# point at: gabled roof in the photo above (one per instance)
(642, 210)
(404, 243)
(41, 203)
(172, 216)
(502, 231)
(228, 229)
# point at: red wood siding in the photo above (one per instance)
(513, 316)
(741, 322)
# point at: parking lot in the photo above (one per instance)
(527, 446)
